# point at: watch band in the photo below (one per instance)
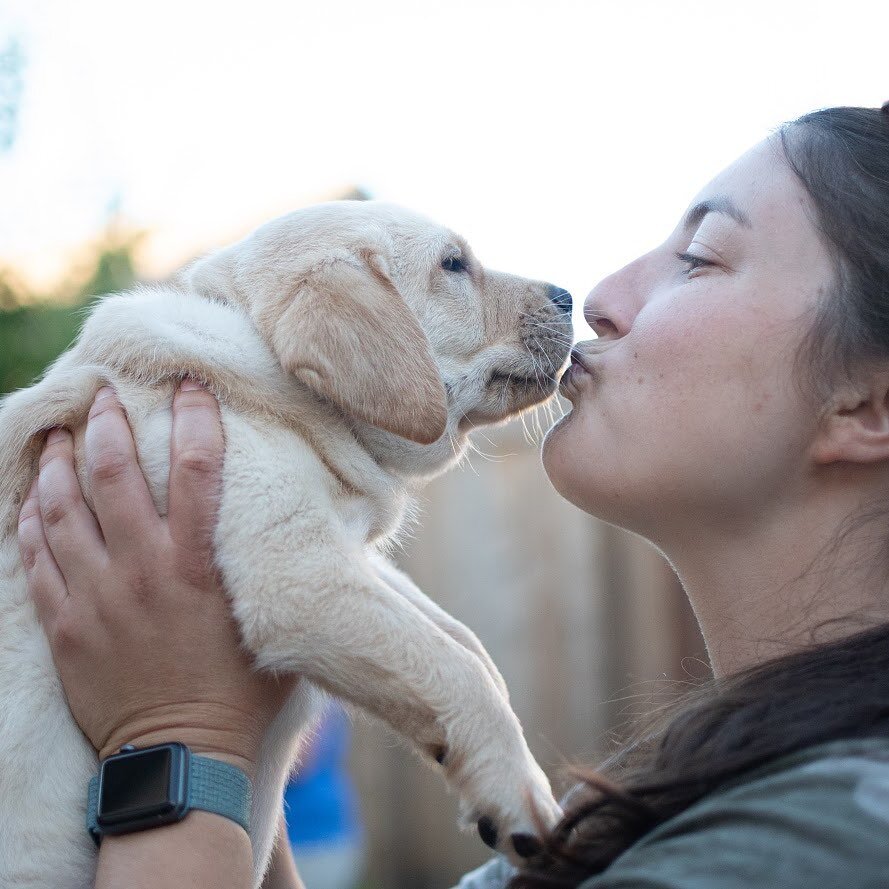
(212, 786)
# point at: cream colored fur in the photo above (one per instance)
(349, 366)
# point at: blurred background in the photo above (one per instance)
(562, 139)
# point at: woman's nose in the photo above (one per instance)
(610, 306)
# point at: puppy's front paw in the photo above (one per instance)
(523, 845)
(510, 816)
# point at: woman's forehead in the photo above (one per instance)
(759, 190)
(759, 210)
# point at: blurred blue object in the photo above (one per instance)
(321, 807)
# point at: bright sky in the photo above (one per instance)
(562, 138)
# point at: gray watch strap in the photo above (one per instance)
(212, 786)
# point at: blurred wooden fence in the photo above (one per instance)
(582, 619)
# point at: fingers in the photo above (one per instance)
(123, 504)
(68, 526)
(45, 582)
(196, 452)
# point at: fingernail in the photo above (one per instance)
(103, 393)
(189, 385)
(56, 435)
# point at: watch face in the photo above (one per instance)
(142, 788)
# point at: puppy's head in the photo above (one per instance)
(392, 318)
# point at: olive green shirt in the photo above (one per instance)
(816, 819)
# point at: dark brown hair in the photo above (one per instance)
(823, 692)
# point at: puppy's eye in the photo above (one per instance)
(453, 264)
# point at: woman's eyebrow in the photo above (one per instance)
(719, 204)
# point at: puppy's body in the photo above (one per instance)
(316, 482)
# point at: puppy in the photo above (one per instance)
(352, 347)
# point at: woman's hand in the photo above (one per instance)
(139, 626)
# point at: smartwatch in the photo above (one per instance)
(137, 789)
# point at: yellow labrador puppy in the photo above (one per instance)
(352, 347)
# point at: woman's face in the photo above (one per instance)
(689, 411)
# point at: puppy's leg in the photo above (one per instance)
(280, 750)
(308, 601)
(401, 583)
(343, 628)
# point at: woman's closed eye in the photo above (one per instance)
(694, 262)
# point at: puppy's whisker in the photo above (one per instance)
(548, 412)
(477, 433)
(560, 405)
(541, 432)
(552, 367)
(491, 458)
(548, 377)
(563, 342)
(466, 452)
(557, 326)
(532, 416)
(526, 433)
(557, 330)
(535, 366)
(542, 426)
(481, 434)
(554, 326)
(457, 455)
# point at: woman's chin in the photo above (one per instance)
(556, 455)
(558, 425)
(553, 432)
(584, 483)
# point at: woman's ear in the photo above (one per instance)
(347, 333)
(856, 429)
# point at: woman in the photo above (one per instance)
(735, 412)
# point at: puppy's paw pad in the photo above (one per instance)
(487, 830)
(526, 845)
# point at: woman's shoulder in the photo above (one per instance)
(816, 817)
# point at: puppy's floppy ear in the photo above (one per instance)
(348, 334)
(213, 276)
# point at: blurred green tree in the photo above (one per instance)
(34, 330)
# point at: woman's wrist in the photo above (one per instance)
(200, 727)
(201, 850)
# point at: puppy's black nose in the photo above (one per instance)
(561, 297)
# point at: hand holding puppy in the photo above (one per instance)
(140, 630)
